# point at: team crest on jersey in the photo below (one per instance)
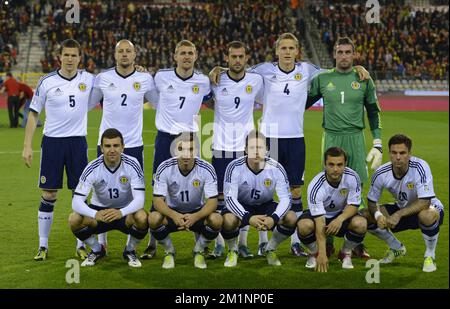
(356, 85)
(195, 89)
(298, 76)
(137, 86)
(267, 182)
(123, 180)
(331, 86)
(343, 192)
(248, 89)
(410, 185)
(43, 179)
(82, 87)
(196, 183)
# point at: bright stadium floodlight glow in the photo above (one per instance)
(6, 2)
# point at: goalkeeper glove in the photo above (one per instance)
(375, 154)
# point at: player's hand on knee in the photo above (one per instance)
(27, 156)
(257, 222)
(393, 220)
(334, 227)
(179, 220)
(99, 216)
(268, 222)
(381, 221)
(190, 219)
(322, 263)
(375, 154)
(112, 214)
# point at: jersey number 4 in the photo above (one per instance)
(286, 89)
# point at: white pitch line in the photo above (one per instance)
(35, 151)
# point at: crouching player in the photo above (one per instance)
(410, 181)
(182, 184)
(249, 186)
(117, 202)
(334, 196)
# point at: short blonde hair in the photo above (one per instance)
(123, 41)
(287, 36)
(185, 43)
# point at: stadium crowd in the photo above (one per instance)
(408, 43)
(13, 21)
(155, 29)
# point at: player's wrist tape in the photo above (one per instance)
(377, 144)
(275, 218)
(377, 214)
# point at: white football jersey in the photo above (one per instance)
(123, 99)
(243, 186)
(185, 193)
(179, 100)
(324, 199)
(65, 102)
(111, 188)
(417, 183)
(233, 110)
(284, 100)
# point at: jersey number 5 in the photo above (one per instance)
(72, 101)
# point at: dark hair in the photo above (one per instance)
(236, 45)
(187, 137)
(254, 134)
(334, 152)
(343, 41)
(110, 134)
(70, 43)
(400, 139)
(9, 74)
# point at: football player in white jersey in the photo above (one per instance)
(234, 99)
(64, 94)
(334, 196)
(185, 198)
(117, 203)
(410, 182)
(123, 90)
(285, 94)
(181, 92)
(249, 187)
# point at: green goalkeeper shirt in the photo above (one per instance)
(344, 98)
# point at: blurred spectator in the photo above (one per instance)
(12, 87)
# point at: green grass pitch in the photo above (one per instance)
(20, 196)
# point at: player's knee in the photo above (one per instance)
(155, 219)
(428, 216)
(75, 221)
(215, 221)
(359, 225)
(296, 192)
(140, 219)
(305, 227)
(230, 222)
(290, 219)
(49, 195)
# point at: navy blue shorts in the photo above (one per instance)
(291, 155)
(103, 227)
(408, 223)
(344, 228)
(135, 152)
(263, 209)
(162, 153)
(220, 161)
(60, 152)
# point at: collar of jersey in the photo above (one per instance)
(235, 80)
(183, 79)
(124, 76)
(109, 170)
(248, 166)
(187, 174)
(393, 174)
(285, 72)
(68, 79)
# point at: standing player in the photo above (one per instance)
(344, 101)
(185, 198)
(410, 182)
(181, 92)
(334, 196)
(117, 203)
(65, 95)
(123, 90)
(234, 99)
(285, 94)
(12, 87)
(249, 187)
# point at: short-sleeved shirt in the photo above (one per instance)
(65, 102)
(185, 193)
(328, 200)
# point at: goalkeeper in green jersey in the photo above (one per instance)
(344, 98)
